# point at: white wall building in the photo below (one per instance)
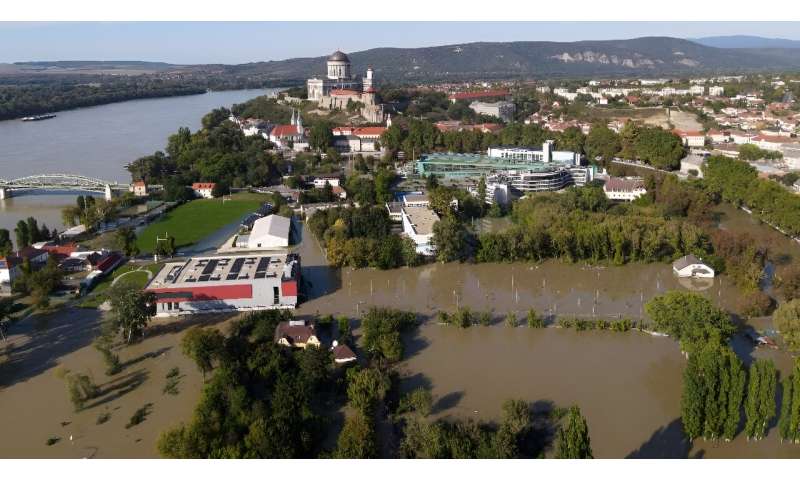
(418, 225)
(502, 110)
(626, 189)
(269, 232)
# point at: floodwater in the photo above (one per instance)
(97, 142)
(627, 384)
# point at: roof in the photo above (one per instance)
(139, 183)
(481, 94)
(30, 252)
(421, 219)
(284, 131)
(203, 185)
(271, 225)
(338, 56)
(194, 273)
(685, 261)
(623, 184)
(343, 353)
(294, 333)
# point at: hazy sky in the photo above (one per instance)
(240, 42)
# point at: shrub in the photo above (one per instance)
(565, 322)
(534, 320)
(485, 318)
(139, 415)
(511, 319)
(81, 388)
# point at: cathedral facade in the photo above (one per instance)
(340, 88)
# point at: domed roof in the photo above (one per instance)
(339, 56)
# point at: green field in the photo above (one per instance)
(197, 219)
(138, 279)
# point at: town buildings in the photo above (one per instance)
(502, 110)
(292, 135)
(226, 283)
(357, 139)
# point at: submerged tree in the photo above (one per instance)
(573, 437)
(760, 404)
(789, 423)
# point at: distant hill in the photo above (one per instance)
(637, 57)
(634, 57)
(746, 41)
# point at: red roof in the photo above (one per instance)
(481, 94)
(284, 131)
(368, 131)
(688, 133)
(139, 183)
(772, 138)
(203, 185)
(61, 250)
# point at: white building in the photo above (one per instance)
(626, 189)
(418, 225)
(691, 266)
(502, 110)
(546, 154)
(203, 189)
(322, 180)
(9, 271)
(495, 193)
(716, 91)
(269, 232)
(224, 284)
(691, 138)
(416, 200)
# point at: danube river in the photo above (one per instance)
(96, 142)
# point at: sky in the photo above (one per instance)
(242, 42)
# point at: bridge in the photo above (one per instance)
(59, 182)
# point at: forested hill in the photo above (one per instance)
(636, 57)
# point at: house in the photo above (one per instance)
(626, 189)
(293, 334)
(139, 188)
(36, 256)
(691, 138)
(269, 232)
(9, 271)
(342, 353)
(796, 186)
(322, 180)
(204, 190)
(418, 225)
(691, 266)
(416, 200)
(719, 136)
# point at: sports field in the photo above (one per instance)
(197, 219)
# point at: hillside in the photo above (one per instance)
(746, 41)
(634, 57)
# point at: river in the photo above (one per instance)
(97, 142)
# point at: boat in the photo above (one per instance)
(36, 118)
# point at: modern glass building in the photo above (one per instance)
(525, 169)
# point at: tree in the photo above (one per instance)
(419, 401)
(482, 193)
(204, 346)
(789, 423)
(320, 137)
(713, 392)
(357, 438)
(689, 317)
(760, 403)
(453, 240)
(602, 142)
(220, 188)
(787, 321)
(365, 388)
(133, 309)
(6, 247)
(22, 234)
(534, 320)
(125, 240)
(573, 437)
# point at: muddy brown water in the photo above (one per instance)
(627, 384)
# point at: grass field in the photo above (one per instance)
(197, 219)
(139, 279)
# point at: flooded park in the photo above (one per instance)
(628, 384)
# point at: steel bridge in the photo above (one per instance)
(59, 182)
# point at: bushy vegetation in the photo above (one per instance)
(381, 332)
(361, 237)
(262, 400)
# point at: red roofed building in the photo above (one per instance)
(625, 189)
(203, 189)
(454, 97)
(691, 138)
(139, 188)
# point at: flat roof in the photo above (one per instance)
(421, 218)
(221, 270)
(480, 160)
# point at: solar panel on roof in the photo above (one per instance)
(203, 278)
(260, 275)
(237, 265)
(212, 264)
(262, 264)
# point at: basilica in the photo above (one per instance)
(340, 89)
